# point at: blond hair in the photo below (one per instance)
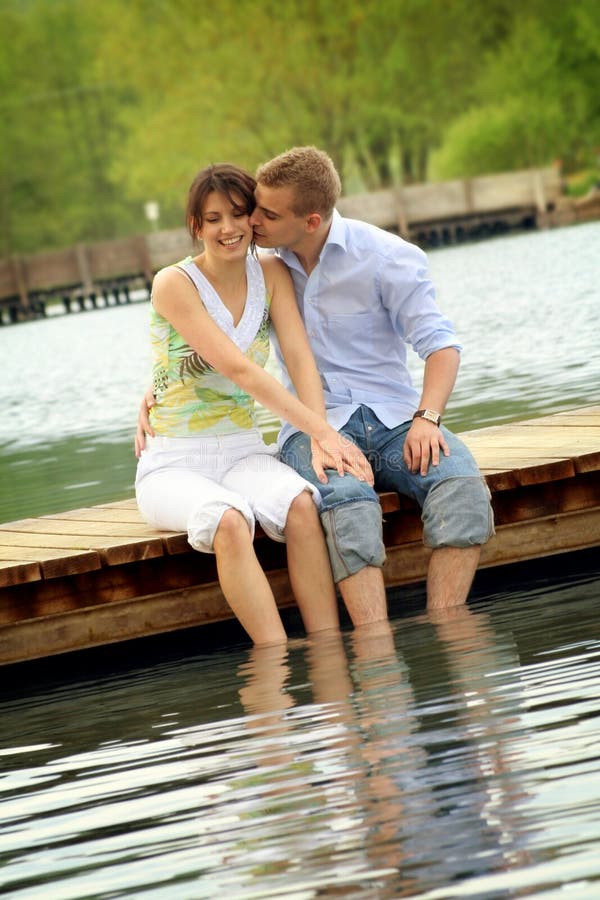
(312, 175)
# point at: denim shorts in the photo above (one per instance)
(453, 496)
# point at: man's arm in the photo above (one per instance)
(424, 439)
(143, 424)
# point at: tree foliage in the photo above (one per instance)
(535, 100)
(108, 106)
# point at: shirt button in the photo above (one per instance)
(369, 428)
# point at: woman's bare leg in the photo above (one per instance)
(243, 581)
(308, 565)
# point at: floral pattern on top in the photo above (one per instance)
(192, 398)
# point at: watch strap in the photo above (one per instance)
(430, 414)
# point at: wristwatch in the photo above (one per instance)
(430, 414)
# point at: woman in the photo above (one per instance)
(207, 470)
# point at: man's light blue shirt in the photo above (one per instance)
(368, 299)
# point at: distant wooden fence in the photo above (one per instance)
(418, 207)
(101, 273)
(86, 274)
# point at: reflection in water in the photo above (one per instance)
(430, 758)
(477, 785)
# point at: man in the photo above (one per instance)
(364, 295)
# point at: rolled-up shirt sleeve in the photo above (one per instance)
(409, 296)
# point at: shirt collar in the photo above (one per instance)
(337, 232)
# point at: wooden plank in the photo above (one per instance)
(447, 200)
(403, 528)
(39, 554)
(587, 462)
(143, 616)
(51, 269)
(512, 543)
(499, 479)
(100, 514)
(53, 562)
(547, 472)
(390, 502)
(18, 571)
(110, 584)
(111, 553)
(537, 501)
(547, 441)
(543, 537)
(178, 543)
(50, 525)
(527, 472)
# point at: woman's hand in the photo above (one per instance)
(335, 451)
(143, 424)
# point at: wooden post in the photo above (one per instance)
(144, 257)
(468, 193)
(20, 281)
(83, 268)
(401, 213)
(539, 192)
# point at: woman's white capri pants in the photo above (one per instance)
(186, 484)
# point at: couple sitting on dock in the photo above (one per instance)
(353, 423)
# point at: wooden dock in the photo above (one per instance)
(99, 575)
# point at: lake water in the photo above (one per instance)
(431, 760)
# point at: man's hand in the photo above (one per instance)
(422, 446)
(339, 453)
(143, 424)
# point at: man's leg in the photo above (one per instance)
(456, 511)
(351, 519)
(450, 575)
(457, 520)
(364, 596)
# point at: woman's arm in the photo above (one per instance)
(291, 335)
(175, 298)
(300, 362)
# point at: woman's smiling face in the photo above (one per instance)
(225, 229)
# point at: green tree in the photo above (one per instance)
(107, 106)
(373, 82)
(57, 141)
(535, 100)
